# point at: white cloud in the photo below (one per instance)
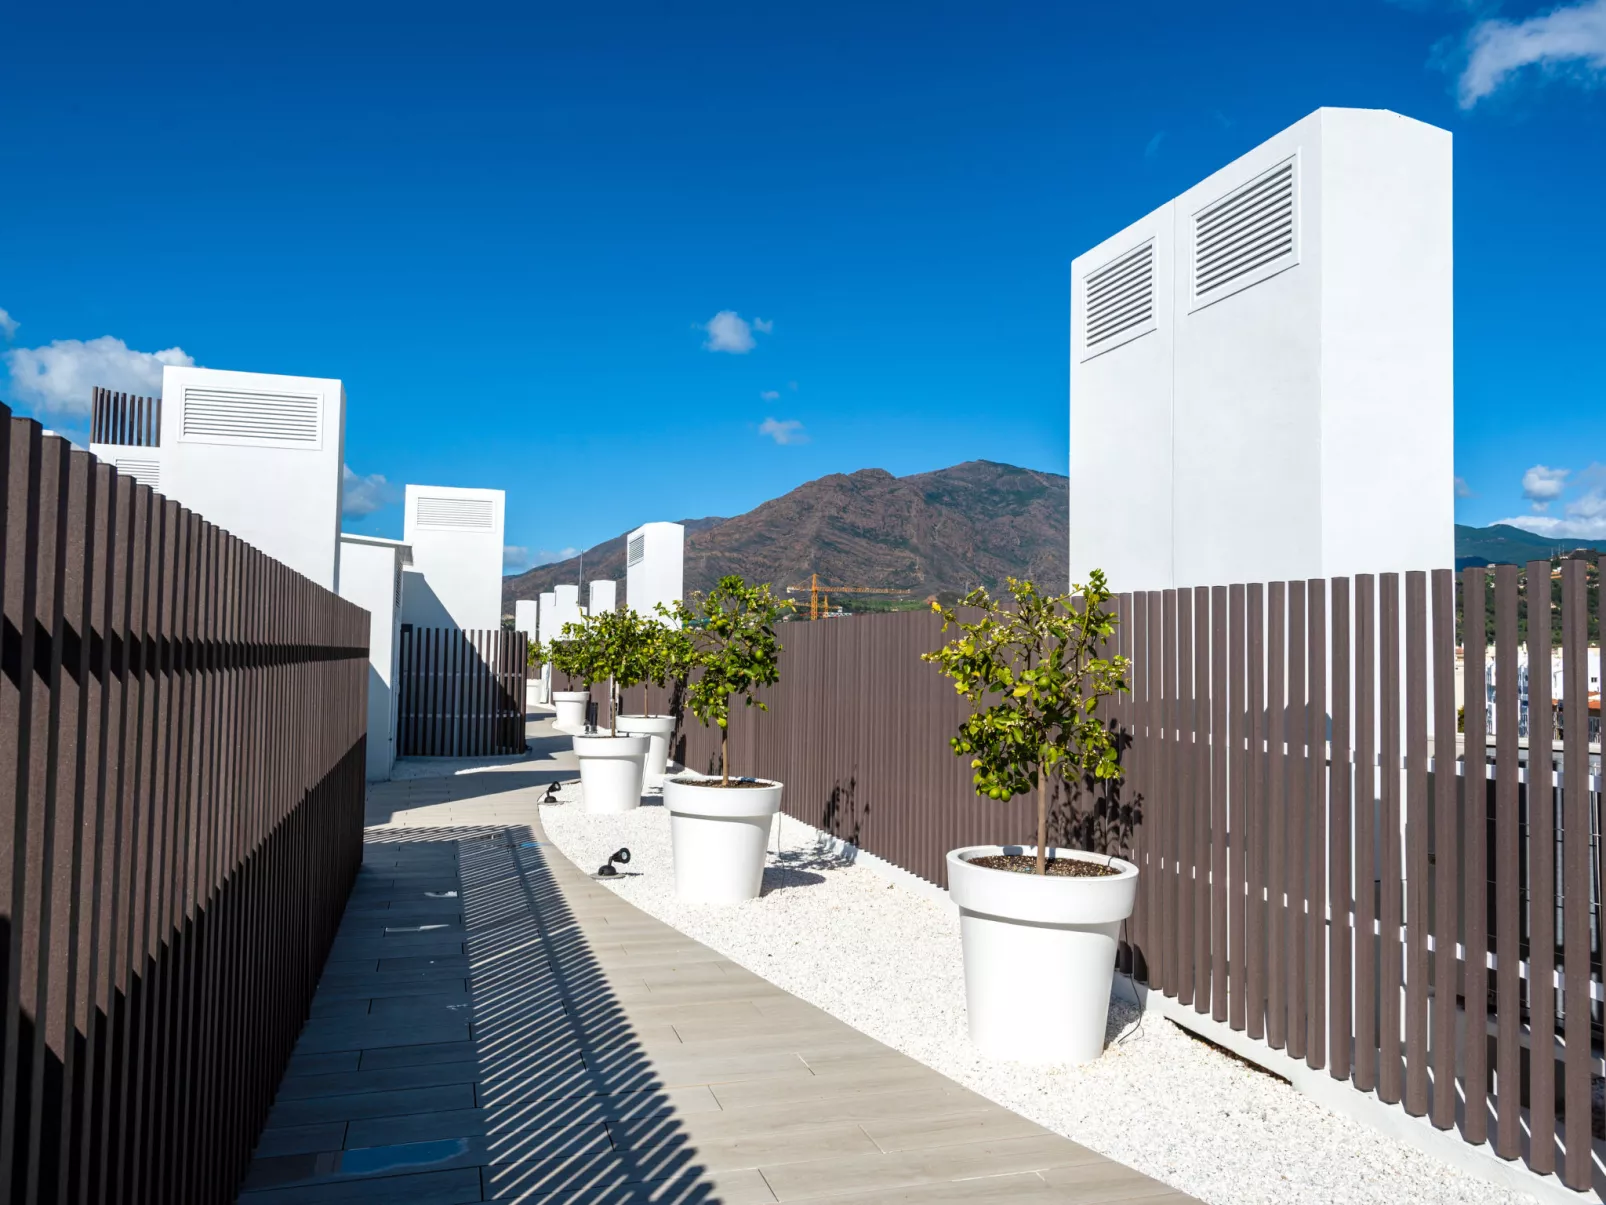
(783, 431)
(1541, 485)
(1462, 489)
(515, 557)
(8, 324)
(363, 495)
(729, 331)
(1583, 517)
(771, 395)
(58, 379)
(1572, 38)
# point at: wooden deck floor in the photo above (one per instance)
(495, 1025)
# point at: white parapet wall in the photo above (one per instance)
(1262, 377)
(524, 616)
(547, 617)
(604, 597)
(260, 456)
(456, 537)
(655, 566)
(565, 608)
(372, 570)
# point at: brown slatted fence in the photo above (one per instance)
(1324, 835)
(460, 692)
(182, 727)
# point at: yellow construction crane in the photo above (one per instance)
(820, 596)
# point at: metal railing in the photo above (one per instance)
(123, 418)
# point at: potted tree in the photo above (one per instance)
(1038, 924)
(719, 827)
(566, 656)
(667, 661)
(610, 647)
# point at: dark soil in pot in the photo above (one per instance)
(1073, 868)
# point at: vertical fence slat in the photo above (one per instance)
(1238, 812)
(1365, 828)
(1475, 874)
(1199, 759)
(1258, 840)
(1277, 877)
(1340, 899)
(1316, 826)
(1219, 752)
(1418, 805)
(1578, 868)
(1390, 1080)
(1541, 875)
(1446, 850)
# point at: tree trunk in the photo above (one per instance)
(724, 756)
(613, 710)
(1042, 822)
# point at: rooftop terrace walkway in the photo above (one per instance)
(494, 1024)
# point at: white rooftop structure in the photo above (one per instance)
(371, 573)
(456, 537)
(257, 454)
(1262, 369)
(655, 566)
(547, 617)
(604, 597)
(565, 608)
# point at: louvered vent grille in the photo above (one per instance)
(146, 472)
(1120, 300)
(637, 550)
(243, 416)
(465, 514)
(1246, 236)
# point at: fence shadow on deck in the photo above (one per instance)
(573, 1111)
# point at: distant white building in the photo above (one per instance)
(258, 455)
(371, 575)
(525, 618)
(1262, 379)
(604, 598)
(655, 566)
(456, 538)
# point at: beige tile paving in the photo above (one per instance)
(496, 1025)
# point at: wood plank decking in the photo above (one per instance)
(495, 1025)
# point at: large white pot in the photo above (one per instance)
(571, 705)
(658, 728)
(1039, 954)
(719, 836)
(610, 771)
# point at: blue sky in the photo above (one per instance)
(632, 262)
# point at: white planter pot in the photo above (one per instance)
(719, 836)
(1039, 954)
(571, 705)
(610, 771)
(658, 728)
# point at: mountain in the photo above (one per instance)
(1502, 544)
(929, 533)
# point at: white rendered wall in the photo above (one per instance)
(261, 457)
(524, 616)
(144, 465)
(655, 568)
(565, 608)
(547, 617)
(371, 577)
(1302, 425)
(604, 597)
(456, 538)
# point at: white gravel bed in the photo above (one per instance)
(886, 960)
